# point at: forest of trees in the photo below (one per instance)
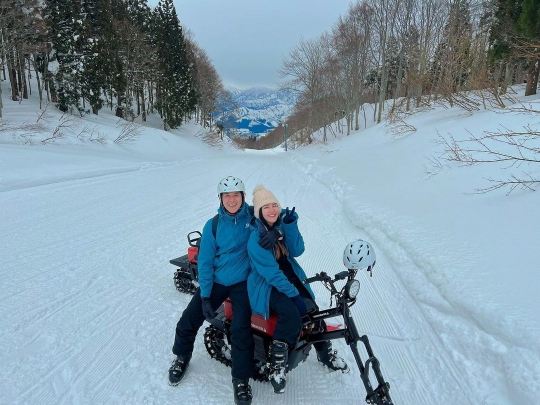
(413, 52)
(86, 55)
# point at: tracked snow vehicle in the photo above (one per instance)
(186, 277)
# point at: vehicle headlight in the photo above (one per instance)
(352, 288)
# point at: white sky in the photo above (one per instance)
(248, 39)
(88, 306)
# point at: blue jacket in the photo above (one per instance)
(265, 272)
(224, 259)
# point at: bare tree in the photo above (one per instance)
(138, 57)
(11, 34)
(508, 148)
(129, 131)
(304, 65)
(209, 85)
(351, 36)
(384, 20)
(428, 21)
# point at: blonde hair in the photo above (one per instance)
(280, 250)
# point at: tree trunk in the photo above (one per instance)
(22, 78)
(532, 77)
(508, 73)
(138, 102)
(13, 81)
(29, 78)
(150, 98)
(52, 89)
(143, 105)
(119, 110)
(365, 118)
(40, 90)
(45, 74)
(375, 107)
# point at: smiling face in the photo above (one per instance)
(232, 201)
(270, 213)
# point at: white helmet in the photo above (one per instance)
(230, 184)
(359, 254)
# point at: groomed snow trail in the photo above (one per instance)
(89, 307)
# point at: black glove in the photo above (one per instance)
(269, 238)
(207, 309)
(289, 217)
(300, 304)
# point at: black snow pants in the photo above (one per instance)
(241, 336)
(289, 321)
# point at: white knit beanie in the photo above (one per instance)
(262, 196)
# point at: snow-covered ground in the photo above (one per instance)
(88, 307)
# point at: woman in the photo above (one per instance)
(275, 282)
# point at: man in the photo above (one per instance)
(224, 266)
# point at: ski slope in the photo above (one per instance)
(90, 308)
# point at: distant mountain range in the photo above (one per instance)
(258, 110)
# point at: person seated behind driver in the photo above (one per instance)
(275, 283)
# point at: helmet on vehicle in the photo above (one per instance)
(230, 184)
(359, 254)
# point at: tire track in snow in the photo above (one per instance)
(84, 365)
(385, 301)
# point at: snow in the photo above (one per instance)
(88, 307)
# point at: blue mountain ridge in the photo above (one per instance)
(258, 110)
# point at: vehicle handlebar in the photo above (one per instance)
(323, 276)
(341, 276)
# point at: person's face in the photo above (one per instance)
(232, 201)
(270, 213)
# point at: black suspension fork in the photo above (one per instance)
(379, 395)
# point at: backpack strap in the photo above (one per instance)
(214, 224)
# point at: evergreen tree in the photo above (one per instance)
(529, 20)
(393, 64)
(66, 33)
(528, 25)
(517, 26)
(140, 13)
(412, 63)
(451, 65)
(98, 43)
(138, 54)
(175, 84)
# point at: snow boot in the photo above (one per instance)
(178, 369)
(331, 359)
(242, 392)
(279, 354)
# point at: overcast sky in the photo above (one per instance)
(248, 39)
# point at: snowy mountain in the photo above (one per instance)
(258, 109)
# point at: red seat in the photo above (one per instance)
(192, 252)
(266, 326)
